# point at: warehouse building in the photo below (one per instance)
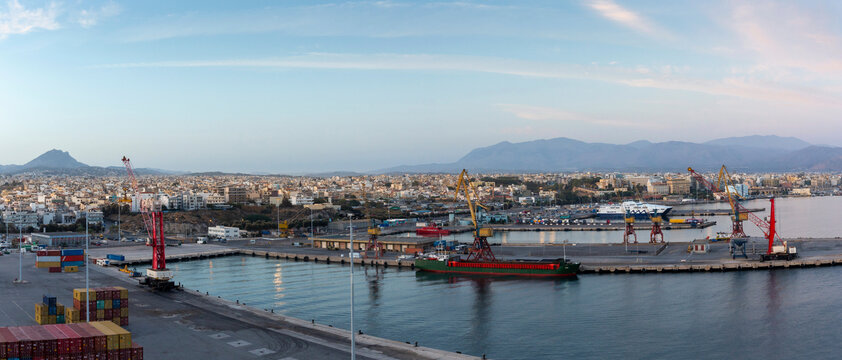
(59, 239)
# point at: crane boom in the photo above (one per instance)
(738, 209)
(480, 251)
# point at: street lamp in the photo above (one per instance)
(87, 265)
(351, 254)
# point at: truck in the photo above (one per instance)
(780, 252)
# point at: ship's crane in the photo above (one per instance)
(480, 251)
(373, 232)
(740, 213)
(158, 276)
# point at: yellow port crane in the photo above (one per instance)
(480, 251)
(373, 232)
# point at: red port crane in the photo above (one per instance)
(158, 276)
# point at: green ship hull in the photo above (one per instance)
(556, 268)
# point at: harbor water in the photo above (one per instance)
(752, 315)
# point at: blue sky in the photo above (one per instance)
(298, 86)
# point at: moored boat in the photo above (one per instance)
(432, 230)
(541, 268)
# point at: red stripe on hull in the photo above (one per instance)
(498, 274)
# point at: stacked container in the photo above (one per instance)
(68, 259)
(94, 341)
(47, 259)
(49, 312)
(108, 303)
(73, 258)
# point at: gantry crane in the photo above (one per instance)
(656, 233)
(629, 233)
(158, 276)
(740, 213)
(373, 232)
(480, 251)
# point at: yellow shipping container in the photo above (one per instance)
(41, 309)
(124, 293)
(124, 312)
(100, 314)
(47, 264)
(108, 304)
(52, 319)
(59, 309)
(112, 339)
(124, 335)
(79, 294)
(676, 221)
(71, 314)
(71, 269)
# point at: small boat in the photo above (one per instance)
(432, 230)
(455, 265)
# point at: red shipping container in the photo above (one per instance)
(124, 303)
(12, 347)
(4, 341)
(55, 269)
(41, 253)
(137, 351)
(74, 339)
(59, 345)
(24, 344)
(73, 258)
(86, 340)
(124, 321)
(53, 252)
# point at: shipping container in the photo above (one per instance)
(116, 257)
(72, 258)
(70, 252)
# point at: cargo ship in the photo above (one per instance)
(431, 230)
(538, 268)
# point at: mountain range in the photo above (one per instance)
(57, 162)
(747, 153)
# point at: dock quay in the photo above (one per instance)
(188, 324)
(595, 258)
(707, 212)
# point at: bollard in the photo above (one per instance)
(416, 344)
(313, 321)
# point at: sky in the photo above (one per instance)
(311, 86)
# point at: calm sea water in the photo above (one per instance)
(815, 217)
(749, 315)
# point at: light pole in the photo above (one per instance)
(311, 223)
(351, 240)
(119, 233)
(20, 253)
(87, 283)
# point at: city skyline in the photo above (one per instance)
(307, 87)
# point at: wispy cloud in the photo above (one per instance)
(616, 13)
(90, 17)
(16, 19)
(660, 78)
(540, 113)
(785, 36)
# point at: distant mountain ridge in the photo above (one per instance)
(58, 162)
(748, 153)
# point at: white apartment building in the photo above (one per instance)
(223, 232)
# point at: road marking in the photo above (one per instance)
(219, 336)
(239, 343)
(262, 351)
(289, 358)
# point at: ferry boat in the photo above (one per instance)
(539, 268)
(637, 209)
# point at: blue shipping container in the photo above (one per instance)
(72, 252)
(72, 263)
(49, 300)
(116, 257)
